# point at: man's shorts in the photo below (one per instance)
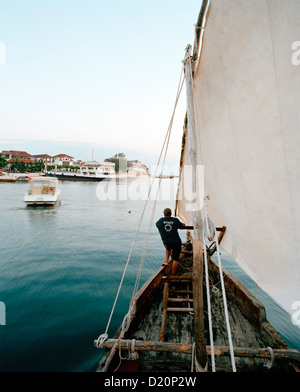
(175, 248)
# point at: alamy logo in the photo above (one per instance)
(296, 313)
(2, 313)
(296, 54)
(2, 53)
(190, 190)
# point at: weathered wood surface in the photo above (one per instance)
(150, 289)
(247, 316)
(198, 306)
(248, 352)
(164, 317)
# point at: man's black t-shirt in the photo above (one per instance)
(168, 227)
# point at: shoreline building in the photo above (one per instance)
(13, 154)
(44, 157)
(63, 160)
(136, 169)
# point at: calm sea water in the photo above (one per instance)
(61, 268)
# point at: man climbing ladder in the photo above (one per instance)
(168, 228)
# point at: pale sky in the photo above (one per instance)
(93, 73)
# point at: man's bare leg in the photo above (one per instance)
(174, 267)
(168, 254)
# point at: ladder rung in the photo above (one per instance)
(179, 278)
(180, 300)
(180, 309)
(181, 291)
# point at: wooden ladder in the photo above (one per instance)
(170, 283)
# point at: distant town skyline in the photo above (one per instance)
(82, 151)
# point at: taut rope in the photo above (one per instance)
(129, 316)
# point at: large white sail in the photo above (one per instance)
(247, 100)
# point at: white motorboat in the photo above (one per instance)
(42, 191)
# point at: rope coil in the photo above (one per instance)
(270, 363)
(101, 339)
(195, 364)
(134, 354)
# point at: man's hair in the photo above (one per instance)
(167, 212)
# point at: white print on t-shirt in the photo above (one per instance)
(168, 226)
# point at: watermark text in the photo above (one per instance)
(2, 313)
(296, 54)
(158, 187)
(2, 53)
(296, 313)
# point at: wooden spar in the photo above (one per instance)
(188, 228)
(249, 352)
(199, 30)
(198, 308)
(165, 309)
(199, 329)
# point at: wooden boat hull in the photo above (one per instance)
(252, 333)
(8, 179)
(41, 203)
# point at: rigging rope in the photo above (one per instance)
(167, 140)
(225, 306)
(128, 317)
(211, 234)
(211, 336)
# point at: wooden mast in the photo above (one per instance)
(199, 30)
(199, 329)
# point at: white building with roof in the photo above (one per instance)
(136, 169)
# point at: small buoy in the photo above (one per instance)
(129, 212)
